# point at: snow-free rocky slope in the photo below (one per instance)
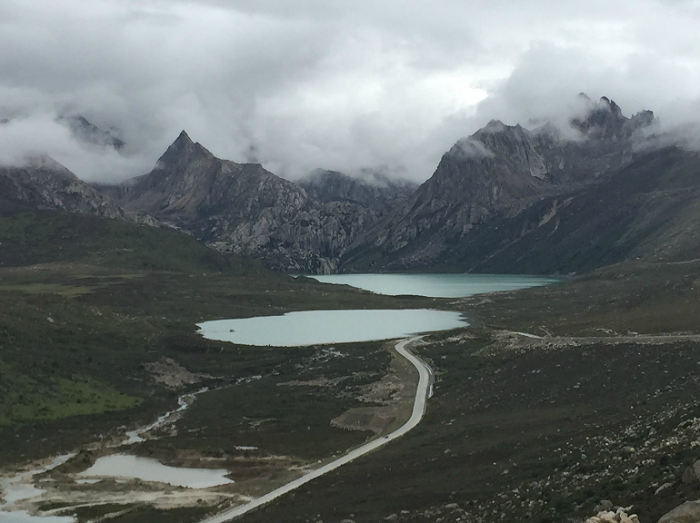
(43, 183)
(377, 191)
(507, 199)
(245, 209)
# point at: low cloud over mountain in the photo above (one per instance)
(328, 85)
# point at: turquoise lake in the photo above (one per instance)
(437, 285)
(345, 326)
(319, 327)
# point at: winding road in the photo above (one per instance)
(422, 391)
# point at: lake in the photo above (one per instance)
(345, 326)
(318, 327)
(437, 285)
(133, 467)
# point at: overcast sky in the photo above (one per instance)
(344, 85)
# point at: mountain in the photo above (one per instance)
(499, 180)
(649, 210)
(377, 191)
(43, 183)
(88, 132)
(245, 209)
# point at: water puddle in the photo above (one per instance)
(135, 436)
(145, 469)
(20, 488)
(22, 516)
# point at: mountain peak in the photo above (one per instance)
(87, 132)
(45, 163)
(584, 97)
(607, 103)
(494, 126)
(602, 120)
(183, 138)
(181, 150)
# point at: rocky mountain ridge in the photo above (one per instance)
(87, 132)
(505, 199)
(245, 209)
(497, 173)
(43, 183)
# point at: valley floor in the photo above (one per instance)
(599, 402)
(558, 398)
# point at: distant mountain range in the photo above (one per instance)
(87, 132)
(505, 199)
(245, 209)
(493, 190)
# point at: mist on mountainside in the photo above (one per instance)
(337, 87)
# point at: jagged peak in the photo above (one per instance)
(181, 150)
(645, 117)
(494, 126)
(584, 97)
(607, 103)
(497, 130)
(85, 131)
(183, 138)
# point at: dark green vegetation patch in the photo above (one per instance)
(87, 304)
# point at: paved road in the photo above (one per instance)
(418, 409)
(640, 338)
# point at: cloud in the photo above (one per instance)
(327, 83)
(24, 137)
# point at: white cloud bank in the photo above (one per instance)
(327, 83)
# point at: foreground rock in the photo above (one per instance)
(688, 512)
(617, 516)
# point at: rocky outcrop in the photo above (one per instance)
(619, 515)
(43, 183)
(692, 473)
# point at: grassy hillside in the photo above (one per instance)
(42, 237)
(86, 304)
(604, 406)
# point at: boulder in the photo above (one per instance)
(620, 515)
(663, 487)
(692, 473)
(688, 512)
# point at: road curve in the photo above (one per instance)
(422, 390)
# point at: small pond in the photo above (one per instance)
(134, 467)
